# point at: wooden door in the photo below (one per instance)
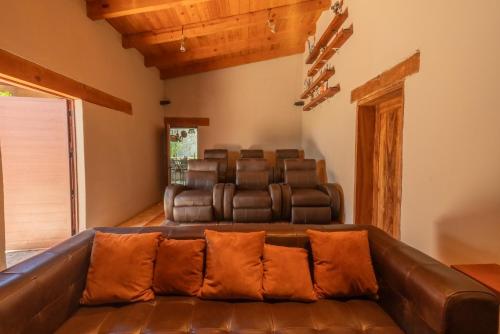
(379, 161)
(36, 171)
(387, 166)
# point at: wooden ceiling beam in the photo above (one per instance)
(194, 30)
(229, 61)
(108, 9)
(294, 36)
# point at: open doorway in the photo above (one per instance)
(38, 167)
(183, 147)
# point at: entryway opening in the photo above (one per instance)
(183, 147)
(37, 145)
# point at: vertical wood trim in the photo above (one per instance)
(73, 172)
(27, 73)
(2, 219)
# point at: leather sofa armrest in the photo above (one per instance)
(286, 201)
(168, 199)
(334, 191)
(276, 206)
(39, 294)
(425, 296)
(218, 201)
(229, 190)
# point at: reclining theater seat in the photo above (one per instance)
(254, 199)
(281, 155)
(251, 154)
(221, 157)
(305, 199)
(200, 200)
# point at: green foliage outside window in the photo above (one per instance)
(5, 93)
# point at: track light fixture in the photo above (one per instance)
(183, 42)
(270, 23)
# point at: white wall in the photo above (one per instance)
(451, 152)
(123, 166)
(249, 106)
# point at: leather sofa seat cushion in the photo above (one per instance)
(342, 264)
(194, 198)
(179, 267)
(252, 199)
(309, 197)
(286, 274)
(169, 314)
(233, 266)
(121, 268)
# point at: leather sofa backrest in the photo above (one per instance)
(221, 157)
(252, 174)
(281, 155)
(251, 154)
(201, 174)
(301, 173)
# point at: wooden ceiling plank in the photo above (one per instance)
(295, 36)
(225, 62)
(223, 24)
(108, 9)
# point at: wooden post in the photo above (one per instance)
(2, 220)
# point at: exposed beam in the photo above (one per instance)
(228, 61)
(22, 71)
(397, 73)
(224, 24)
(230, 47)
(107, 9)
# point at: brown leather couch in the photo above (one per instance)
(200, 200)
(254, 198)
(221, 157)
(418, 295)
(305, 199)
(281, 155)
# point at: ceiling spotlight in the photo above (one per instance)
(183, 42)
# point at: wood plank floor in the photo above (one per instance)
(152, 216)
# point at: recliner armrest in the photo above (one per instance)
(286, 201)
(334, 191)
(168, 199)
(229, 190)
(218, 200)
(275, 192)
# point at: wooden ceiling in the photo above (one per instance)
(217, 33)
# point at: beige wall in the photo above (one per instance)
(249, 106)
(123, 153)
(451, 152)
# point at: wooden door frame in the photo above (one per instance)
(384, 87)
(179, 122)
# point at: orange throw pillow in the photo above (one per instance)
(179, 267)
(286, 274)
(342, 264)
(234, 266)
(121, 268)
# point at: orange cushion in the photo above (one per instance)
(342, 264)
(179, 267)
(121, 268)
(233, 267)
(286, 274)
